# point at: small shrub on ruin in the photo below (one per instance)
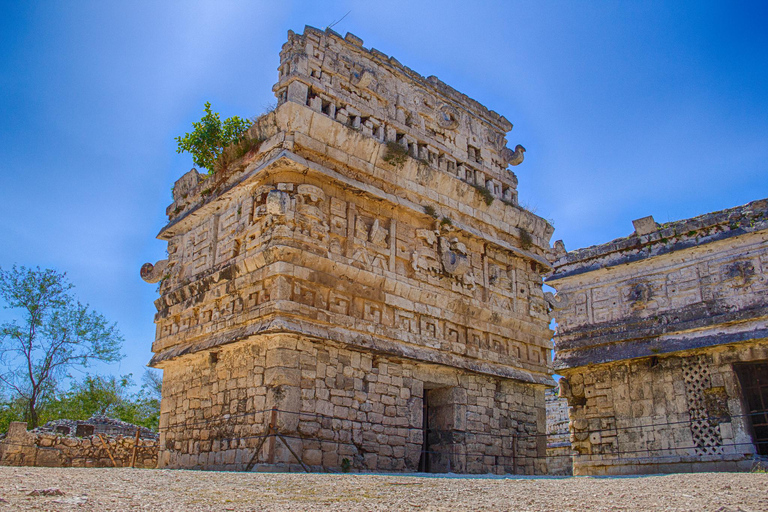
(236, 151)
(484, 193)
(395, 155)
(526, 240)
(528, 207)
(430, 210)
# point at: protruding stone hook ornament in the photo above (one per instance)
(513, 157)
(154, 273)
(555, 302)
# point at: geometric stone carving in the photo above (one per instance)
(704, 428)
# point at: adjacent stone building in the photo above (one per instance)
(661, 340)
(363, 278)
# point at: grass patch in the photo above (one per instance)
(235, 152)
(430, 210)
(484, 193)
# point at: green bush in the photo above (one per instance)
(210, 136)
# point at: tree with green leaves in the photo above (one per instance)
(210, 136)
(53, 334)
(107, 395)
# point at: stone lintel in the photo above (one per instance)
(693, 318)
(634, 349)
(279, 324)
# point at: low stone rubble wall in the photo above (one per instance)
(96, 425)
(51, 449)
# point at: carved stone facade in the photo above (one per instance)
(661, 339)
(382, 315)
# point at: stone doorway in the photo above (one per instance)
(754, 385)
(438, 431)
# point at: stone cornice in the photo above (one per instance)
(281, 324)
(669, 238)
(728, 328)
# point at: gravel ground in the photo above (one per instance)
(177, 490)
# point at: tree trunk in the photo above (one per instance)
(32, 413)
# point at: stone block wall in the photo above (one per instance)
(49, 449)
(664, 414)
(559, 452)
(334, 403)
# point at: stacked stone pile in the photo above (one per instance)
(101, 425)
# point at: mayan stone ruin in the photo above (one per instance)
(661, 340)
(365, 282)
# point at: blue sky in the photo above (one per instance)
(626, 109)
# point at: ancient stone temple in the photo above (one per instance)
(661, 338)
(362, 280)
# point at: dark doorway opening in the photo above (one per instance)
(424, 460)
(754, 385)
(438, 431)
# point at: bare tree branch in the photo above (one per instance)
(54, 333)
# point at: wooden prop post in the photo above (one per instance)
(272, 433)
(109, 452)
(135, 448)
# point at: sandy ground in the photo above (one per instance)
(176, 490)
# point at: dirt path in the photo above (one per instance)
(176, 490)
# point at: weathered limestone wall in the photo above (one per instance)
(48, 449)
(283, 246)
(652, 331)
(660, 415)
(335, 403)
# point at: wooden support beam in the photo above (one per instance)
(109, 452)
